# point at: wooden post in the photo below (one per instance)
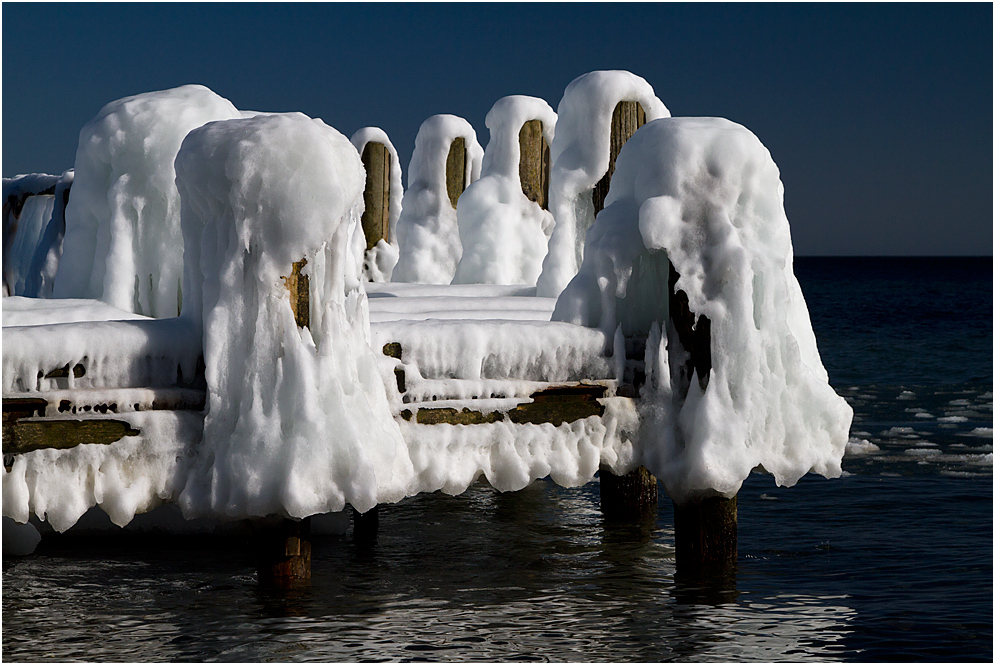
(377, 194)
(456, 169)
(627, 117)
(534, 163)
(283, 550)
(705, 530)
(630, 496)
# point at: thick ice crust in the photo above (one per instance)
(579, 157)
(705, 193)
(502, 232)
(428, 235)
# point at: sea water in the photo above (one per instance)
(893, 561)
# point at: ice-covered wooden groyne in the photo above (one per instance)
(558, 305)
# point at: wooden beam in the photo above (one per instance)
(627, 117)
(377, 194)
(534, 163)
(23, 436)
(556, 405)
(456, 170)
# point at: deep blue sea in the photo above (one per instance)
(891, 562)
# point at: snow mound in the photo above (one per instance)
(297, 419)
(123, 243)
(503, 233)
(379, 261)
(705, 193)
(428, 235)
(579, 157)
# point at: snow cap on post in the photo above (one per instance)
(503, 233)
(580, 157)
(428, 235)
(705, 194)
(379, 261)
(123, 243)
(297, 419)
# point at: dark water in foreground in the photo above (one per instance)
(891, 562)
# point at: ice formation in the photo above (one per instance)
(504, 234)
(705, 194)
(297, 419)
(32, 236)
(379, 261)
(428, 235)
(579, 157)
(123, 243)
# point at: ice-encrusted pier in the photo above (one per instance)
(252, 322)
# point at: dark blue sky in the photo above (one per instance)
(880, 117)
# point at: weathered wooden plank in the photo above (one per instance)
(627, 117)
(377, 193)
(22, 436)
(534, 163)
(560, 404)
(298, 285)
(456, 170)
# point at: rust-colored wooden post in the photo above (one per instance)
(627, 117)
(705, 530)
(456, 169)
(283, 550)
(534, 162)
(377, 194)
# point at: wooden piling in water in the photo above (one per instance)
(376, 160)
(705, 530)
(627, 117)
(630, 496)
(456, 170)
(283, 550)
(534, 163)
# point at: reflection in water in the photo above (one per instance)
(537, 574)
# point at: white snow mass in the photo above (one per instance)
(297, 419)
(705, 193)
(123, 243)
(428, 234)
(503, 233)
(579, 157)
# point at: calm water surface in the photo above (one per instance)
(891, 562)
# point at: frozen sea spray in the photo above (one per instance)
(297, 419)
(504, 234)
(428, 235)
(705, 194)
(123, 243)
(579, 157)
(379, 261)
